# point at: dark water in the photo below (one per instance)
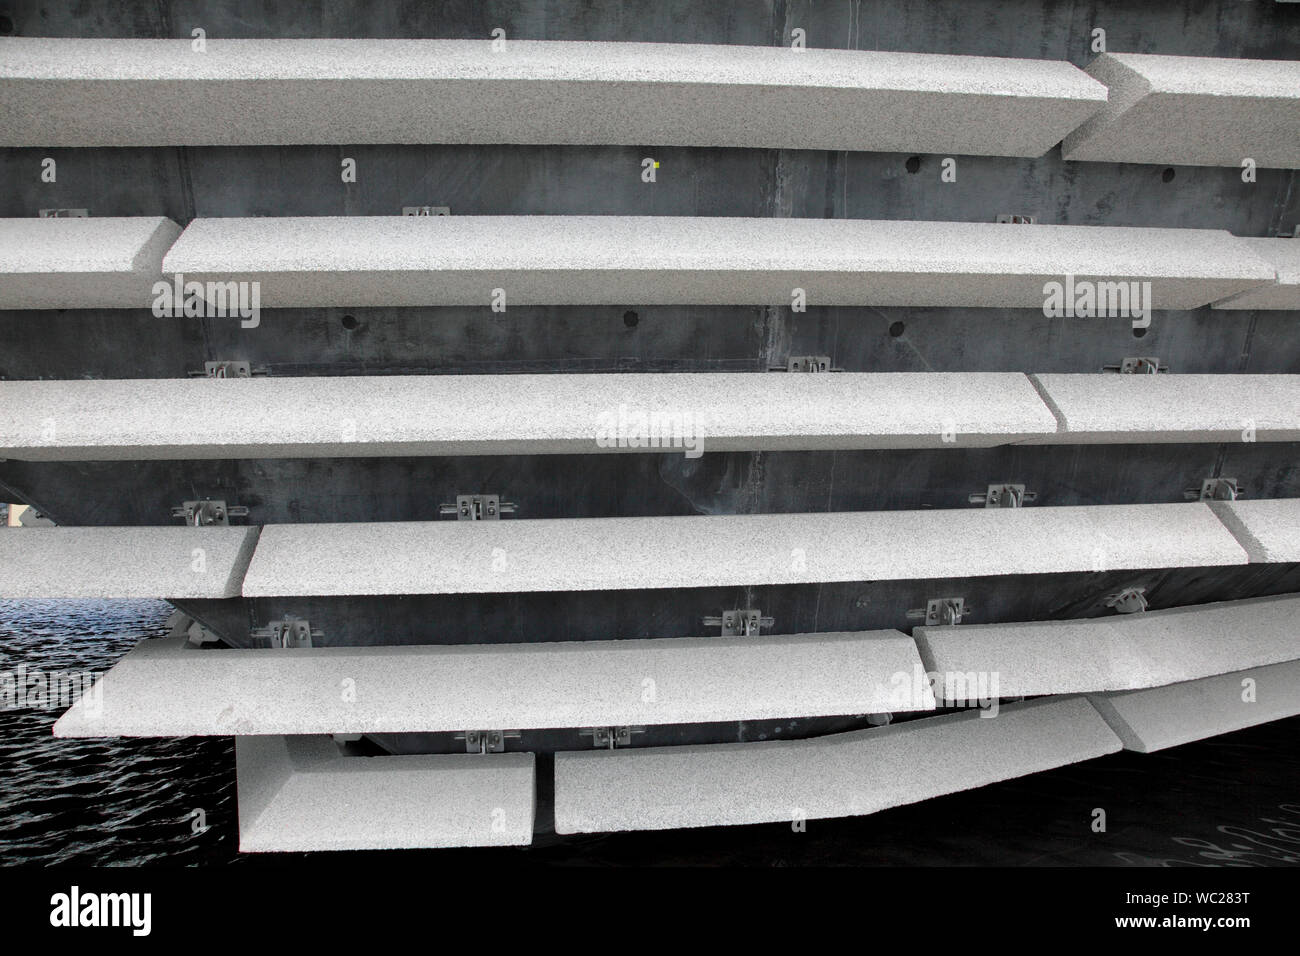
(1230, 801)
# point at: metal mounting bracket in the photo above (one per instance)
(1138, 365)
(740, 622)
(806, 363)
(608, 738)
(1128, 601)
(208, 512)
(426, 210)
(477, 508)
(1016, 219)
(1214, 489)
(228, 369)
(1004, 496)
(486, 741)
(65, 213)
(291, 632)
(940, 611)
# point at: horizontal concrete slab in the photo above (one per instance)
(64, 92)
(682, 260)
(1121, 652)
(82, 263)
(1150, 720)
(1269, 530)
(681, 413)
(835, 776)
(583, 554)
(301, 793)
(165, 688)
(1107, 409)
(180, 562)
(1192, 111)
(1284, 256)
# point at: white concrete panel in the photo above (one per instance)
(1150, 720)
(93, 92)
(352, 261)
(680, 413)
(835, 776)
(1284, 256)
(1192, 111)
(82, 263)
(164, 688)
(1109, 409)
(1269, 529)
(300, 793)
(583, 554)
(180, 562)
(1119, 652)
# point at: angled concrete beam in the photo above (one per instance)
(1269, 530)
(349, 261)
(65, 92)
(1150, 720)
(1123, 652)
(164, 688)
(840, 775)
(301, 793)
(1284, 256)
(1109, 409)
(181, 562)
(583, 554)
(82, 263)
(1192, 111)
(679, 413)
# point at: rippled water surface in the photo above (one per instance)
(1230, 801)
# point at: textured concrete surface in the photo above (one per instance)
(1123, 652)
(1269, 530)
(180, 562)
(583, 554)
(109, 263)
(300, 793)
(164, 688)
(65, 92)
(1284, 256)
(348, 261)
(1193, 111)
(1149, 720)
(513, 414)
(835, 776)
(1106, 409)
